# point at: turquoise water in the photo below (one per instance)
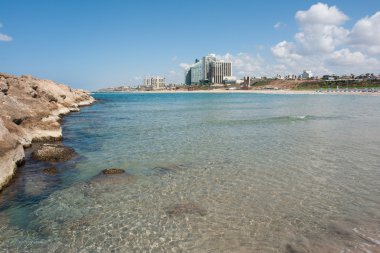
(206, 173)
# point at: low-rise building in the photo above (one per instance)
(155, 82)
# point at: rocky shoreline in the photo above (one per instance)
(30, 111)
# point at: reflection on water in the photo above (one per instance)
(206, 173)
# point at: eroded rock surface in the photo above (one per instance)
(31, 110)
(53, 153)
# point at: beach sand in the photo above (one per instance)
(279, 92)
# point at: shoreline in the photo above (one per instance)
(32, 110)
(269, 92)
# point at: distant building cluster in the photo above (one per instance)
(367, 76)
(306, 75)
(155, 82)
(209, 70)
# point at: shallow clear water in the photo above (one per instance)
(207, 173)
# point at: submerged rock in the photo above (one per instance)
(53, 153)
(186, 208)
(51, 171)
(113, 176)
(111, 171)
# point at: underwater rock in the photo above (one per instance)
(112, 176)
(51, 171)
(186, 208)
(53, 153)
(112, 171)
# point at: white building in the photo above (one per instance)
(219, 70)
(155, 82)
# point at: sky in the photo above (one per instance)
(99, 43)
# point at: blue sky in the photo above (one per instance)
(92, 43)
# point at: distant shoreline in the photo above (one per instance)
(274, 92)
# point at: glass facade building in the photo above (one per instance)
(208, 71)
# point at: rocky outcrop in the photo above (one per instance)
(53, 153)
(30, 111)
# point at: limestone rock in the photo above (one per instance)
(53, 153)
(3, 87)
(24, 102)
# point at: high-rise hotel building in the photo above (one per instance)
(219, 70)
(208, 71)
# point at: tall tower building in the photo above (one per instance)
(219, 70)
(206, 71)
(209, 70)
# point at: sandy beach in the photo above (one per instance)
(279, 92)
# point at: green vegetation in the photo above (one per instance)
(342, 84)
(262, 82)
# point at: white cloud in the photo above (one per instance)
(279, 25)
(325, 46)
(185, 66)
(320, 28)
(321, 38)
(174, 58)
(5, 38)
(286, 52)
(321, 13)
(365, 34)
(345, 57)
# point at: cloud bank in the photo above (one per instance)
(324, 45)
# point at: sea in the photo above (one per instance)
(229, 172)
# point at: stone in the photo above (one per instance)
(34, 85)
(186, 208)
(53, 153)
(113, 176)
(4, 87)
(51, 171)
(113, 171)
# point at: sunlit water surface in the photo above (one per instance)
(207, 173)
